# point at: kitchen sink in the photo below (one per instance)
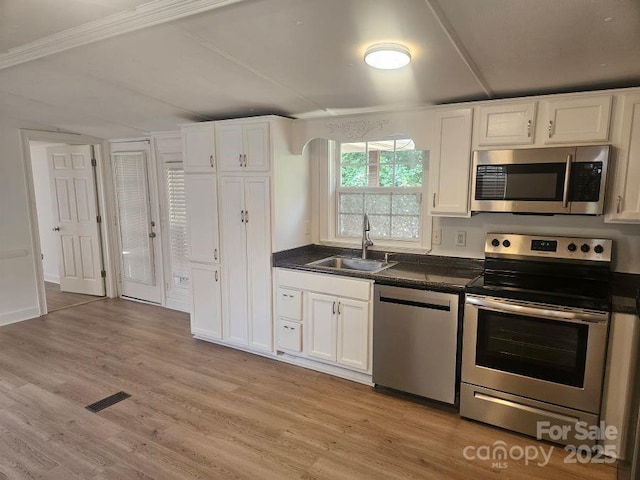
(348, 263)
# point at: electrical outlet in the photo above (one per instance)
(461, 238)
(436, 236)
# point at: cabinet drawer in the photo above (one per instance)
(289, 335)
(290, 303)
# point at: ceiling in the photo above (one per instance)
(124, 68)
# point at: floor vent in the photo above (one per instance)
(107, 402)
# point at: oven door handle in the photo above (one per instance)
(533, 310)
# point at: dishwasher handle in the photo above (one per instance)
(414, 303)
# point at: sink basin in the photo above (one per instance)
(346, 263)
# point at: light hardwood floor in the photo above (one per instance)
(204, 411)
(57, 300)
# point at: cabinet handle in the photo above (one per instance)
(246, 216)
(433, 202)
(216, 275)
(215, 253)
(240, 159)
(529, 128)
(245, 160)
(242, 216)
(618, 202)
(339, 303)
(286, 295)
(550, 128)
(334, 308)
(211, 160)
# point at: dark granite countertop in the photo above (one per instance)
(427, 272)
(431, 272)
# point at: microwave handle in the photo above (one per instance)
(567, 178)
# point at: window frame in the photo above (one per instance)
(330, 183)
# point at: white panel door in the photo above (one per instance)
(256, 146)
(229, 144)
(257, 223)
(353, 333)
(321, 326)
(75, 211)
(202, 218)
(450, 163)
(206, 307)
(624, 198)
(506, 124)
(234, 260)
(199, 149)
(577, 120)
(139, 268)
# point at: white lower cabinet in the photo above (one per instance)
(328, 314)
(338, 330)
(206, 307)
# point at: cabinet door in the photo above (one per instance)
(256, 146)
(353, 333)
(234, 261)
(230, 148)
(449, 164)
(506, 124)
(206, 308)
(577, 120)
(321, 327)
(624, 200)
(202, 218)
(289, 335)
(258, 254)
(199, 149)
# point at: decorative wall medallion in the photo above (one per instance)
(356, 129)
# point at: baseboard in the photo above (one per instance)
(52, 278)
(19, 315)
(178, 305)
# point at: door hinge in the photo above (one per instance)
(103, 273)
(94, 163)
(99, 219)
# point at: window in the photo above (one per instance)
(383, 179)
(177, 225)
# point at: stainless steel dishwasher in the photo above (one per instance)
(415, 341)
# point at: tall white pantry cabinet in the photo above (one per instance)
(246, 199)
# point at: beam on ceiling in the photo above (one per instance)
(146, 15)
(459, 46)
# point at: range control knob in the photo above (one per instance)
(495, 242)
(506, 244)
(585, 248)
(598, 249)
(572, 247)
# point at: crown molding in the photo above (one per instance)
(146, 15)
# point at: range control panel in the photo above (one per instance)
(534, 246)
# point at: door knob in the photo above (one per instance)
(152, 235)
(56, 229)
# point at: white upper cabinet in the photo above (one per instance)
(450, 163)
(199, 148)
(243, 147)
(624, 198)
(575, 120)
(505, 124)
(202, 218)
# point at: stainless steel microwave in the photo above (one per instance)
(569, 180)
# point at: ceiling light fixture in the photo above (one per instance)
(387, 56)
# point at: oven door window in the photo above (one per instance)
(549, 350)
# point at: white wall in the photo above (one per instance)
(46, 221)
(626, 237)
(18, 296)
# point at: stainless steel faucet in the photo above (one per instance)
(366, 241)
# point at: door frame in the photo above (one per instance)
(100, 146)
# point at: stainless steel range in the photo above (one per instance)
(535, 334)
